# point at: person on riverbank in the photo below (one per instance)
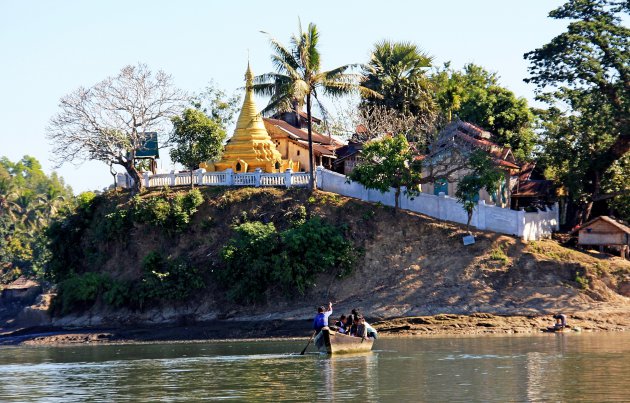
(321, 319)
(561, 321)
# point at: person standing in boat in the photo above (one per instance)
(321, 319)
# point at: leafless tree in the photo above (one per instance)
(111, 120)
(362, 124)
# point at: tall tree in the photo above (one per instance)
(113, 119)
(397, 72)
(587, 69)
(299, 80)
(474, 95)
(197, 138)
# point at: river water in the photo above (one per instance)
(548, 367)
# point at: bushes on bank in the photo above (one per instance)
(162, 280)
(259, 258)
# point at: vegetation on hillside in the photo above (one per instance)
(248, 262)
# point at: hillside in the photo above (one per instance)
(406, 265)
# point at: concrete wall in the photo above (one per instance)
(529, 226)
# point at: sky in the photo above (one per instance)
(50, 48)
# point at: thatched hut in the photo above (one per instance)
(604, 231)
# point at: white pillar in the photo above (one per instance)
(257, 173)
(146, 180)
(520, 224)
(442, 213)
(200, 173)
(481, 214)
(229, 177)
(319, 177)
(173, 178)
(288, 177)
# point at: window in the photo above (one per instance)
(238, 167)
(277, 165)
(298, 153)
(440, 186)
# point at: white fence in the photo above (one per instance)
(225, 178)
(529, 226)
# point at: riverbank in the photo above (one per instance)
(418, 326)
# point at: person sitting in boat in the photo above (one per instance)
(341, 324)
(371, 332)
(321, 319)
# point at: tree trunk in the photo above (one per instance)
(397, 197)
(192, 183)
(311, 178)
(138, 186)
(470, 215)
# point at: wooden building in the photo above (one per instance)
(604, 231)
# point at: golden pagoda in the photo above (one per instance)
(251, 146)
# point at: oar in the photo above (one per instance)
(309, 343)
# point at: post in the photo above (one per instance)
(200, 173)
(481, 214)
(288, 178)
(229, 177)
(520, 224)
(442, 213)
(320, 177)
(173, 178)
(147, 182)
(257, 173)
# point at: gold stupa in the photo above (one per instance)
(251, 146)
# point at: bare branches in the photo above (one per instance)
(109, 121)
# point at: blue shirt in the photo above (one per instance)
(321, 320)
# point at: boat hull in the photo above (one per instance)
(331, 342)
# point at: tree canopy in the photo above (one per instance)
(113, 119)
(197, 138)
(299, 79)
(584, 74)
(29, 200)
(397, 75)
(474, 95)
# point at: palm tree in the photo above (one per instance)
(396, 71)
(299, 79)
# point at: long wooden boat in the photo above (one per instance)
(332, 342)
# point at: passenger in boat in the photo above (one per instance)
(371, 332)
(341, 324)
(321, 319)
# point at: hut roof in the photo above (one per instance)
(607, 219)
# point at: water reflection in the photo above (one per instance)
(569, 367)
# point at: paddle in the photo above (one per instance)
(309, 343)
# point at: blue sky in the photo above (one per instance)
(49, 48)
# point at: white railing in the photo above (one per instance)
(226, 178)
(529, 226)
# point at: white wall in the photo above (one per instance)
(529, 226)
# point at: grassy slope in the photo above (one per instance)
(410, 265)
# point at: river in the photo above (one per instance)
(548, 367)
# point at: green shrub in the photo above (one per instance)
(249, 259)
(167, 279)
(80, 291)
(170, 212)
(498, 254)
(259, 258)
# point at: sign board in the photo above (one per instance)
(469, 240)
(150, 147)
